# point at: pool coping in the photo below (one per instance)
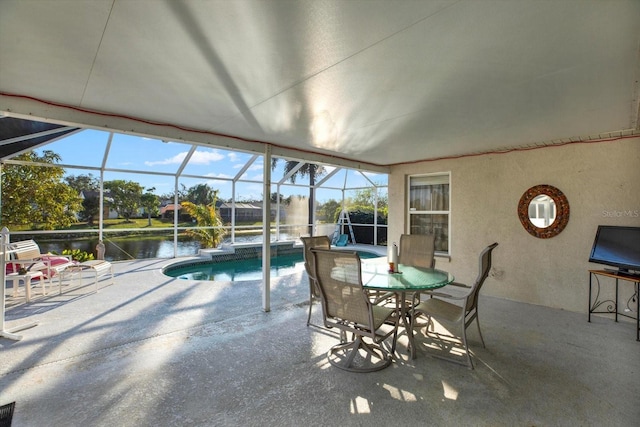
(242, 251)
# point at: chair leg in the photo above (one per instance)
(354, 346)
(43, 286)
(312, 296)
(310, 305)
(479, 331)
(430, 323)
(351, 350)
(395, 335)
(466, 346)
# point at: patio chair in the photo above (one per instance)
(417, 250)
(308, 243)
(26, 253)
(346, 306)
(442, 307)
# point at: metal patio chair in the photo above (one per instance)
(457, 311)
(308, 243)
(346, 306)
(417, 250)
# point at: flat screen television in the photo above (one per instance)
(619, 247)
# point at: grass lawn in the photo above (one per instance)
(121, 223)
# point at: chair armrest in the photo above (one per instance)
(34, 264)
(438, 294)
(30, 261)
(460, 285)
(448, 296)
(377, 297)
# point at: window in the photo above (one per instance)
(429, 208)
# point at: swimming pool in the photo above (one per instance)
(242, 270)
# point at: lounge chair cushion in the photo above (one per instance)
(342, 240)
(55, 262)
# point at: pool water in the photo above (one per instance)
(248, 269)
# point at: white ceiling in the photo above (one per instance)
(380, 82)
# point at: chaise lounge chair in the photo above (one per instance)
(26, 254)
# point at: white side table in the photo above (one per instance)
(15, 278)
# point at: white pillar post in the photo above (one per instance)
(266, 230)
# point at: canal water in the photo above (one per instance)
(119, 249)
(125, 249)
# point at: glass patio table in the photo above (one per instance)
(408, 280)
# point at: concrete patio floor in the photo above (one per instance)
(151, 350)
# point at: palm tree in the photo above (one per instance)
(308, 169)
(205, 216)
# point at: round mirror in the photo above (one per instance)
(543, 211)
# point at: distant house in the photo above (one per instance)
(107, 212)
(167, 210)
(245, 212)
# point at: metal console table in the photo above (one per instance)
(612, 305)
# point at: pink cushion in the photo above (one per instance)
(55, 260)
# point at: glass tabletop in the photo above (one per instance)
(376, 276)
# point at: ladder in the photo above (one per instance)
(344, 217)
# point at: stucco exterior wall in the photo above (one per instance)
(602, 184)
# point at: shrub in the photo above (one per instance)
(78, 255)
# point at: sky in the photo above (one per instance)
(212, 166)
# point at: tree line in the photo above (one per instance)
(36, 194)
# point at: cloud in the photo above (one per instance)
(253, 167)
(250, 192)
(256, 178)
(219, 175)
(372, 174)
(198, 158)
(206, 157)
(175, 160)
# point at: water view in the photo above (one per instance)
(127, 248)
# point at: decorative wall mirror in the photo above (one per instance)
(543, 211)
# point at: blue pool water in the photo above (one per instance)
(248, 269)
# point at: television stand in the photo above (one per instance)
(612, 306)
(623, 273)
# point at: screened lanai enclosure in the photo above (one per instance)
(148, 198)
